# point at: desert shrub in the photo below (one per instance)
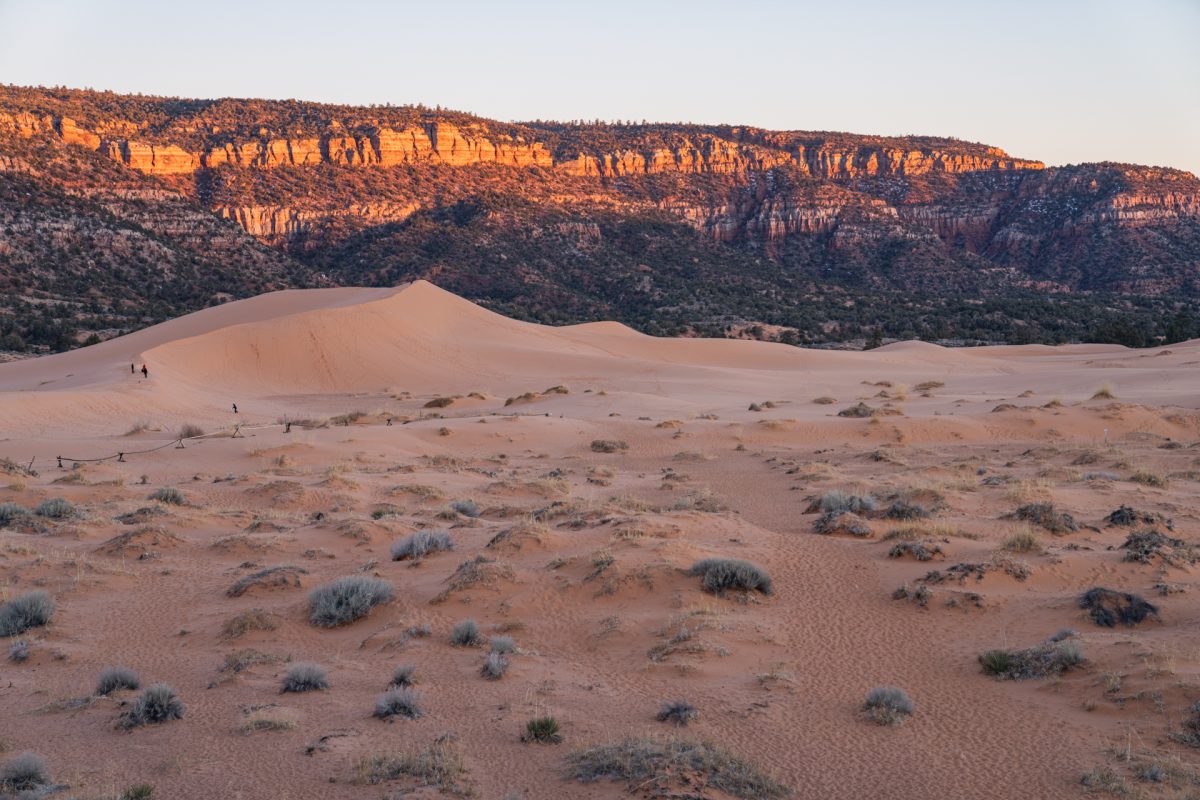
(465, 507)
(398, 702)
(114, 678)
(440, 402)
(1189, 732)
(1040, 661)
(1107, 607)
(838, 501)
(18, 651)
(663, 766)
(1046, 516)
(679, 712)
(1128, 517)
(1025, 541)
(30, 610)
(155, 705)
(25, 773)
(887, 705)
(57, 508)
(346, 599)
(824, 400)
(608, 445)
(419, 544)
(10, 513)
(542, 729)
(928, 386)
(466, 634)
(857, 411)
(169, 495)
(921, 551)
(262, 721)
(1105, 392)
(905, 510)
(140, 791)
(347, 418)
(190, 431)
(502, 644)
(304, 677)
(494, 666)
(842, 523)
(404, 677)
(719, 575)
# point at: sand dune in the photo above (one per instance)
(621, 460)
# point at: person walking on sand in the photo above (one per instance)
(235, 408)
(132, 369)
(145, 372)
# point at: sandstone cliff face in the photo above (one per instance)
(279, 225)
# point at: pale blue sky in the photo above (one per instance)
(1061, 80)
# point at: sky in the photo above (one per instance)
(1063, 81)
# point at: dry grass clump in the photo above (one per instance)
(1147, 478)
(1107, 607)
(665, 768)
(348, 418)
(261, 721)
(304, 677)
(888, 705)
(720, 575)
(838, 501)
(417, 545)
(169, 495)
(609, 446)
(438, 767)
(521, 398)
(1190, 727)
(1105, 392)
(346, 599)
(929, 386)
(190, 431)
(440, 402)
(155, 705)
(824, 400)
(1043, 660)
(480, 571)
(405, 676)
(282, 577)
(1022, 541)
(113, 679)
(399, 702)
(30, 610)
(494, 666)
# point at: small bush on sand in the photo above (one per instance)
(905, 510)
(466, 634)
(304, 677)
(542, 729)
(887, 705)
(418, 545)
(719, 575)
(1105, 392)
(18, 652)
(155, 705)
(58, 508)
(25, 773)
(11, 512)
(837, 501)
(857, 411)
(1040, 661)
(404, 677)
(842, 523)
(1147, 478)
(679, 712)
(30, 610)
(169, 495)
(465, 507)
(824, 400)
(440, 402)
(254, 619)
(1189, 732)
(502, 644)
(1107, 607)
(398, 703)
(283, 577)
(663, 768)
(113, 679)
(190, 431)
(1046, 516)
(346, 599)
(608, 446)
(921, 551)
(494, 666)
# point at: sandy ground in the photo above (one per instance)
(590, 551)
